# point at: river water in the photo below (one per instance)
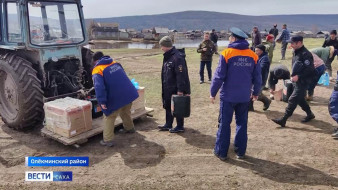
(184, 43)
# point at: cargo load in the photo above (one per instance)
(68, 117)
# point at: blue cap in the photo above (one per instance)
(295, 39)
(238, 33)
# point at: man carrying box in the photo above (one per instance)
(115, 94)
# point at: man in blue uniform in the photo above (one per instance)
(236, 74)
(115, 94)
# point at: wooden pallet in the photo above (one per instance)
(97, 129)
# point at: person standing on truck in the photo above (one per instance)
(238, 72)
(206, 49)
(115, 94)
(175, 80)
(303, 71)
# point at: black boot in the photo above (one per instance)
(281, 121)
(308, 118)
(265, 101)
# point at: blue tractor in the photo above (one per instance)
(42, 57)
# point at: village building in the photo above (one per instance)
(322, 34)
(305, 34)
(155, 33)
(107, 31)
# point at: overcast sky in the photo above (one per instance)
(117, 8)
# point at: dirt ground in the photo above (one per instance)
(300, 156)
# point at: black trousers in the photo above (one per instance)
(298, 98)
(169, 118)
(261, 98)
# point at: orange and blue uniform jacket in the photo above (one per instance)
(112, 85)
(238, 73)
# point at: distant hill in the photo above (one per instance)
(205, 20)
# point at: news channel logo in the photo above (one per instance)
(43, 176)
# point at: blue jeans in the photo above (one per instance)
(265, 74)
(203, 64)
(224, 131)
(319, 72)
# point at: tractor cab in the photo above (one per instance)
(42, 57)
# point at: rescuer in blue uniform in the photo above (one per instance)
(238, 72)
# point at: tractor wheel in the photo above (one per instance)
(21, 97)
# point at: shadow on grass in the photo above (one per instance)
(324, 127)
(197, 139)
(135, 150)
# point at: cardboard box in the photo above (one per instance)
(139, 103)
(278, 95)
(68, 117)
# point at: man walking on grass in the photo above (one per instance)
(302, 74)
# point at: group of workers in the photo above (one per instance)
(240, 77)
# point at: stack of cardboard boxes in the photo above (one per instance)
(139, 103)
(68, 117)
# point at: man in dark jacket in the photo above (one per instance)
(263, 61)
(332, 41)
(115, 94)
(256, 37)
(274, 31)
(206, 49)
(277, 73)
(214, 38)
(238, 72)
(303, 71)
(175, 80)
